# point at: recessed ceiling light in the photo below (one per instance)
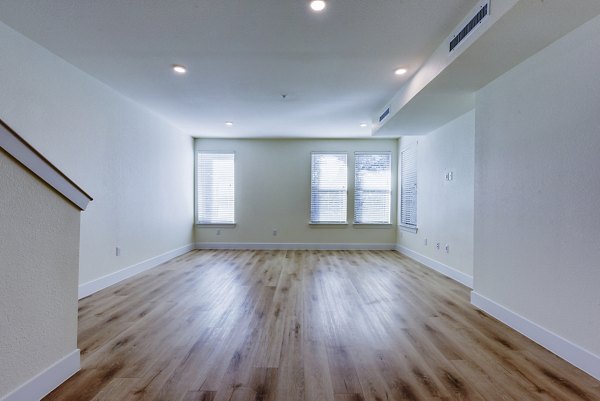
(318, 5)
(179, 69)
(228, 123)
(400, 71)
(362, 125)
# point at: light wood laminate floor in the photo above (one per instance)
(305, 325)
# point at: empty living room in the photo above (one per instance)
(299, 200)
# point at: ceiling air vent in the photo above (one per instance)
(384, 114)
(480, 15)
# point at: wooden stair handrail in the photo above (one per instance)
(34, 161)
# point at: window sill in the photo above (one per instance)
(410, 229)
(328, 225)
(373, 225)
(217, 225)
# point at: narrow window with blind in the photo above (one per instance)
(372, 187)
(215, 188)
(408, 194)
(328, 188)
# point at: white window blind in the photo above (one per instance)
(372, 187)
(328, 187)
(215, 191)
(408, 196)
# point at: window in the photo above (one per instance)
(408, 196)
(372, 187)
(215, 188)
(328, 188)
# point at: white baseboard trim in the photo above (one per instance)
(439, 267)
(293, 246)
(572, 353)
(101, 283)
(42, 384)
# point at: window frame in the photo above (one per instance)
(402, 223)
(325, 223)
(389, 191)
(197, 153)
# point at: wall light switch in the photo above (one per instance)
(218, 232)
(117, 251)
(275, 232)
(447, 248)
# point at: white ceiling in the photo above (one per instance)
(445, 87)
(242, 55)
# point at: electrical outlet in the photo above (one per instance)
(274, 232)
(218, 232)
(437, 246)
(117, 251)
(447, 248)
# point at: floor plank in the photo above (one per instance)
(305, 326)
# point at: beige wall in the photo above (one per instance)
(273, 192)
(537, 186)
(137, 167)
(444, 208)
(39, 234)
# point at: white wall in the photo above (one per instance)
(136, 166)
(444, 208)
(537, 188)
(39, 232)
(273, 192)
